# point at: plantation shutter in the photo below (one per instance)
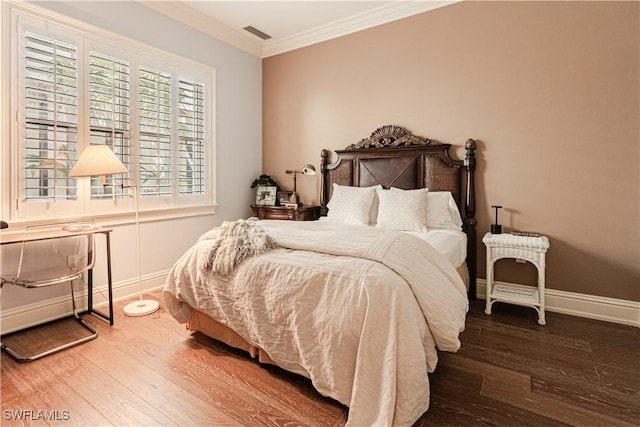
(51, 118)
(110, 116)
(74, 86)
(191, 131)
(155, 132)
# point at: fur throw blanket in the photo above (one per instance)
(231, 243)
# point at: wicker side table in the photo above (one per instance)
(532, 249)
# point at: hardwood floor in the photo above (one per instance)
(151, 371)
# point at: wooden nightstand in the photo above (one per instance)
(302, 213)
(532, 249)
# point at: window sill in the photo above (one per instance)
(120, 218)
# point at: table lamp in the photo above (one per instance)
(305, 170)
(98, 159)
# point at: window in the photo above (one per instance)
(50, 118)
(80, 86)
(110, 116)
(155, 132)
(192, 140)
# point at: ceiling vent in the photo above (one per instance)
(257, 32)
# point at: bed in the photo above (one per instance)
(360, 301)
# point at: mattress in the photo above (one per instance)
(450, 243)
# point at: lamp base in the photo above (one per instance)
(141, 308)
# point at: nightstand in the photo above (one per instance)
(532, 249)
(301, 213)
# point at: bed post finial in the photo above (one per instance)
(470, 199)
(470, 222)
(324, 191)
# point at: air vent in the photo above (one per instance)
(257, 32)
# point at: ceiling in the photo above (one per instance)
(291, 24)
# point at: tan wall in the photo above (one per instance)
(549, 90)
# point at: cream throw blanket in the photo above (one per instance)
(231, 243)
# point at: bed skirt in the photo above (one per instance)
(203, 323)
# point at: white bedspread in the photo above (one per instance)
(357, 310)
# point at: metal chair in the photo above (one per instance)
(46, 261)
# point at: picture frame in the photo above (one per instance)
(283, 197)
(266, 195)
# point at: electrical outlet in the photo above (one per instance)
(521, 261)
(72, 261)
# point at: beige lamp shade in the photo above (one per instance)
(97, 160)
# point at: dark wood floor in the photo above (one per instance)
(150, 371)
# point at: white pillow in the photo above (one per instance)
(402, 209)
(351, 205)
(373, 215)
(442, 211)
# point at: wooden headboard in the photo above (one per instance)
(393, 157)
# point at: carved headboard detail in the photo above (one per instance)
(394, 157)
(390, 136)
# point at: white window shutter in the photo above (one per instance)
(51, 118)
(155, 116)
(191, 133)
(76, 86)
(110, 116)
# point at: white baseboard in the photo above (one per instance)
(55, 308)
(582, 305)
(575, 304)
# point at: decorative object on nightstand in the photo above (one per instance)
(496, 228)
(283, 197)
(266, 195)
(291, 213)
(266, 191)
(305, 170)
(528, 248)
(98, 159)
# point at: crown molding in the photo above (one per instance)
(200, 22)
(264, 49)
(374, 17)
